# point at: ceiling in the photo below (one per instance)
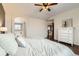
(28, 9)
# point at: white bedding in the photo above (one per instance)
(43, 47)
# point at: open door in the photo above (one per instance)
(51, 31)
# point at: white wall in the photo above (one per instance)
(74, 14)
(35, 28)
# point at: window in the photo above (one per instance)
(18, 27)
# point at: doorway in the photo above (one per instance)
(50, 30)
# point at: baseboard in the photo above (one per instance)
(66, 43)
(76, 43)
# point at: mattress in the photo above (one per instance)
(43, 47)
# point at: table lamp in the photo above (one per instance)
(3, 29)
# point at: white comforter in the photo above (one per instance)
(43, 47)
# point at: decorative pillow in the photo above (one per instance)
(21, 42)
(8, 43)
(2, 52)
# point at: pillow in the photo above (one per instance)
(21, 42)
(8, 43)
(2, 52)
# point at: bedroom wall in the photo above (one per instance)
(73, 14)
(35, 28)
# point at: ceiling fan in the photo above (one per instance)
(45, 6)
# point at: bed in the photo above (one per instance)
(33, 47)
(43, 47)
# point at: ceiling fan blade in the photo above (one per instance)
(45, 4)
(49, 9)
(37, 5)
(52, 4)
(41, 10)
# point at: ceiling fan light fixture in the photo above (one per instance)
(45, 8)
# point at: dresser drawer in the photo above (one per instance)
(65, 40)
(65, 35)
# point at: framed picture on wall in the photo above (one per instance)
(67, 23)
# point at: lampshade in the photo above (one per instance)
(49, 27)
(3, 29)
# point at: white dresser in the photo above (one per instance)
(65, 34)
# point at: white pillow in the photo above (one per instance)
(2, 52)
(21, 42)
(8, 43)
